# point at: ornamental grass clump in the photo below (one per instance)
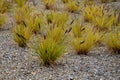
(58, 19)
(26, 15)
(22, 13)
(112, 40)
(83, 38)
(48, 51)
(49, 18)
(37, 23)
(27, 23)
(2, 20)
(5, 6)
(88, 2)
(72, 6)
(105, 22)
(49, 3)
(22, 34)
(91, 11)
(101, 18)
(65, 1)
(51, 46)
(20, 3)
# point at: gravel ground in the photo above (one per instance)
(19, 64)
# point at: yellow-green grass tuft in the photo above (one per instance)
(51, 46)
(22, 35)
(84, 38)
(2, 20)
(49, 4)
(112, 40)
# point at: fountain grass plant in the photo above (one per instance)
(112, 40)
(91, 11)
(84, 38)
(101, 18)
(58, 19)
(2, 20)
(49, 3)
(105, 22)
(22, 34)
(20, 3)
(72, 6)
(22, 13)
(5, 6)
(65, 1)
(51, 46)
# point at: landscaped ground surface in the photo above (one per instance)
(18, 63)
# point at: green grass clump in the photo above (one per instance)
(5, 6)
(100, 17)
(83, 38)
(28, 22)
(72, 6)
(112, 40)
(2, 20)
(49, 3)
(20, 3)
(36, 23)
(92, 11)
(22, 35)
(105, 22)
(65, 1)
(22, 14)
(58, 19)
(89, 2)
(26, 15)
(48, 51)
(51, 46)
